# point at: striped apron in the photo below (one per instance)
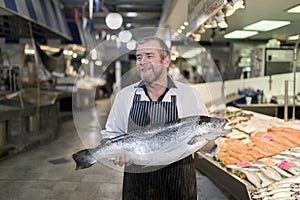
(172, 182)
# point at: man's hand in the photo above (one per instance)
(120, 160)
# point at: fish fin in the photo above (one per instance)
(194, 140)
(105, 140)
(114, 139)
(211, 148)
(83, 159)
(225, 132)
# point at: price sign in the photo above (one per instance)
(244, 164)
(286, 165)
(266, 137)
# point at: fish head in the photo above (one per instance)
(210, 127)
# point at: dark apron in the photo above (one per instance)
(175, 181)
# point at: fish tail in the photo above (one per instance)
(83, 159)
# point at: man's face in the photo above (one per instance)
(149, 63)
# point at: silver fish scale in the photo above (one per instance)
(144, 144)
(157, 145)
(150, 140)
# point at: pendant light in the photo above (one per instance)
(114, 20)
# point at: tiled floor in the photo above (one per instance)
(48, 172)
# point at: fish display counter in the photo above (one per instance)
(28, 118)
(257, 159)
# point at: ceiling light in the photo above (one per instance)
(186, 23)
(240, 34)
(131, 14)
(266, 25)
(131, 45)
(229, 10)
(114, 20)
(237, 3)
(223, 24)
(182, 27)
(295, 9)
(293, 37)
(125, 36)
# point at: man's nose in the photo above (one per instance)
(144, 60)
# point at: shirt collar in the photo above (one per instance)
(171, 84)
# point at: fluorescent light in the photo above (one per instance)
(266, 25)
(295, 9)
(239, 34)
(293, 37)
(131, 14)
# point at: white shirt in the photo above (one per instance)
(188, 102)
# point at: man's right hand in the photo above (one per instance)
(120, 160)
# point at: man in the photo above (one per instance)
(155, 99)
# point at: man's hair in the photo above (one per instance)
(164, 48)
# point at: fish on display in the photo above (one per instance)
(288, 188)
(265, 180)
(271, 173)
(295, 150)
(156, 145)
(272, 193)
(252, 177)
(282, 172)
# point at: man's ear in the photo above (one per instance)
(167, 61)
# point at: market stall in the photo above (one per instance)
(257, 159)
(28, 119)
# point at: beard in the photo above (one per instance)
(150, 73)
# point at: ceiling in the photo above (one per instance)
(165, 14)
(150, 14)
(257, 10)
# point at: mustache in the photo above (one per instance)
(144, 67)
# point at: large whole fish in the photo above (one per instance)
(156, 145)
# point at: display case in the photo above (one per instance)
(223, 179)
(28, 118)
(260, 154)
